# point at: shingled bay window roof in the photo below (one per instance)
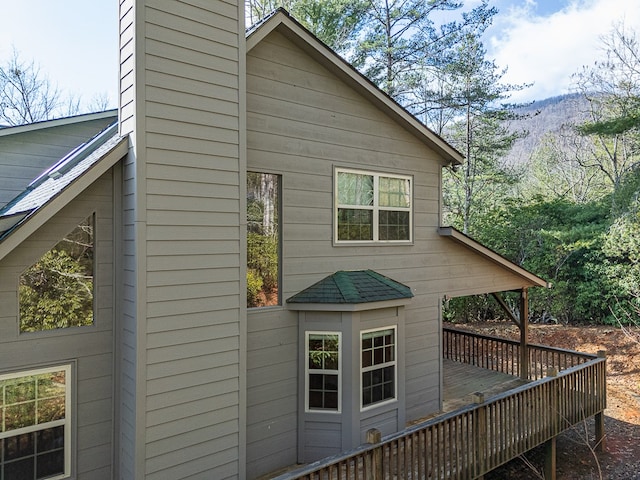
(351, 288)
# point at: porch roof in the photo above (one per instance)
(456, 235)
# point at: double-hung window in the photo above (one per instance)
(323, 371)
(35, 433)
(378, 365)
(372, 207)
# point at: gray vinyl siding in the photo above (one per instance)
(89, 348)
(24, 156)
(185, 280)
(302, 121)
(128, 402)
(272, 382)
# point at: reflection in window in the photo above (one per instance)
(34, 427)
(57, 291)
(263, 239)
(378, 350)
(371, 207)
(323, 366)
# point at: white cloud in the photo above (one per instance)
(548, 50)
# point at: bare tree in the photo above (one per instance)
(27, 95)
(611, 87)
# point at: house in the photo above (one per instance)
(166, 372)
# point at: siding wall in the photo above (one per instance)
(90, 347)
(26, 155)
(301, 123)
(182, 376)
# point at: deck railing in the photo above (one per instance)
(473, 440)
(502, 355)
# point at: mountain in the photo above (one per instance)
(542, 117)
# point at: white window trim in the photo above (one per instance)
(375, 208)
(67, 414)
(363, 407)
(330, 372)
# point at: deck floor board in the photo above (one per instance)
(462, 380)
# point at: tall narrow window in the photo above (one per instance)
(378, 350)
(57, 291)
(372, 207)
(34, 424)
(263, 239)
(323, 370)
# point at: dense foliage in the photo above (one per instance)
(57, 290)
(263, 239)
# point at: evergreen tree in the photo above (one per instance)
(480, 132)
(335, 22)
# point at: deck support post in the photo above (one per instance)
(601, 443)
(550, 459)
(524, 334)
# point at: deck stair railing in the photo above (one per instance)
(471, 441)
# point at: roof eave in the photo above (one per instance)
(57, 122)
(347, 307)
(41, 215)
(477, 247)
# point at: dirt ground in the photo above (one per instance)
(577, 458)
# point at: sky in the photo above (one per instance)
(544, 42)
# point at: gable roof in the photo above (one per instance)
(57, 122)
(55, 188)
(477, 247)
(281, 21)
(352, 288)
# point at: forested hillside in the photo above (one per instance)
(541, 118)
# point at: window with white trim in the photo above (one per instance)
(323, 370)
(35, 440)
(372, 207)
(378, 365)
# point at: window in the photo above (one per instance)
(378, 350)
(323, 370)
(372, 207)
(57, 291)
(263, 239)
(35, 428)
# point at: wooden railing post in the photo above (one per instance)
(374, 437)
(524, 334)
(554, 402)
(481, 435)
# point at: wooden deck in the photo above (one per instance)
(523, 407)
(462, 380)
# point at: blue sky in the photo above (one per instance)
(75, 42)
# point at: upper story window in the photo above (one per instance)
(263, 240)
(323, 370)
(35, 432)
(57, 291)
(372, 207)
(378, 365)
